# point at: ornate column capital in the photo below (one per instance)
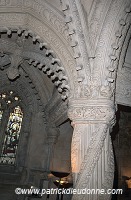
(92, 110)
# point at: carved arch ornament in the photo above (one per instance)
(110, 21)
(47, 63)
(101, 69)
(103, 76)
(109, 47)
(96, 71)
(48, 27)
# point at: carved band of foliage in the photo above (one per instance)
(91, 113)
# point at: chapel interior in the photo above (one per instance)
(65, 97)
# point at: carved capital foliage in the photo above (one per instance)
(103, 28)
(92, 155)
(92, 111)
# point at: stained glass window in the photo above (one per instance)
(12, 133)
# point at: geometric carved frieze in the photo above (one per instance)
(89, 112)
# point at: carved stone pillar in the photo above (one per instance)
(52, 135)
(92, 155)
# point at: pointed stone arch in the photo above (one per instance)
(45, 60)
(45, 24)
(109, 46)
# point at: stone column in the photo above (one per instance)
(92, 155)
(52, 135)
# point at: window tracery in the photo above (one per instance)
(13, 127)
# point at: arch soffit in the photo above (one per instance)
(113, 33)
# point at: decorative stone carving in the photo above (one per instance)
(76, 32)
(89, 78)
(49, 36)
(51, 65)
(12, 73)
(97, 157)
(116, 48)
(95, 20)
(91, 145)
(92, 112)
